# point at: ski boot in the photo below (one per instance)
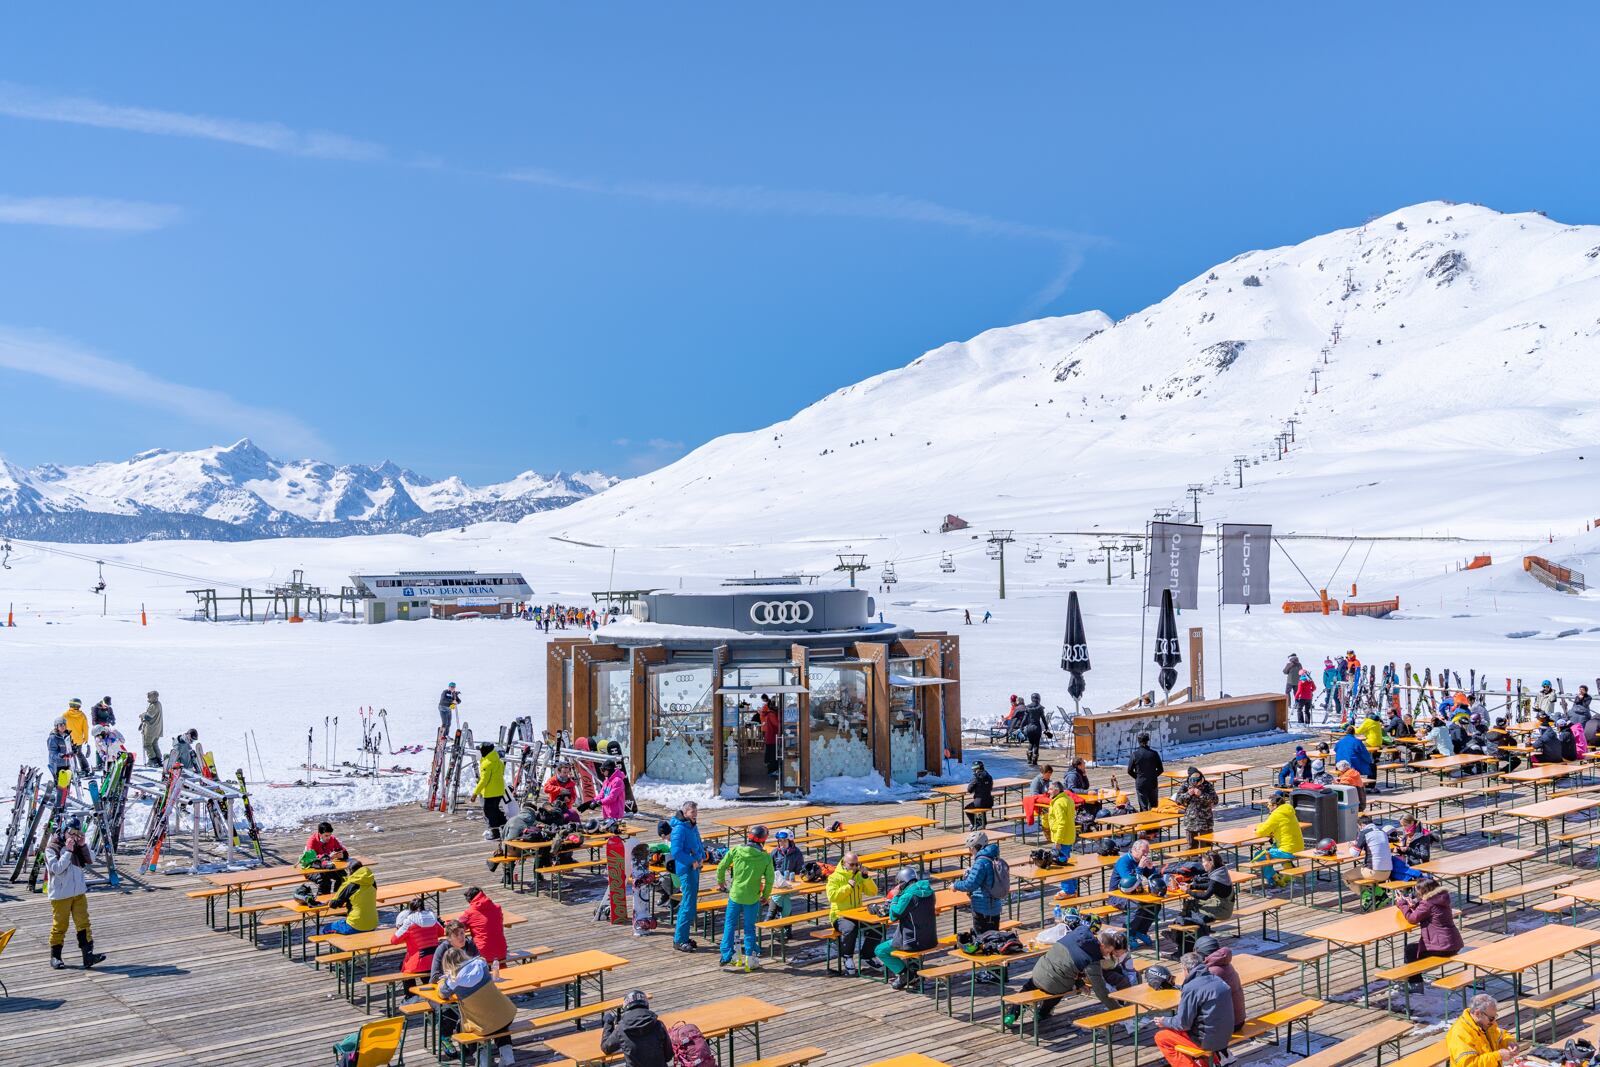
(90, 956)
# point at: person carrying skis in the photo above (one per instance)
(65, 859)
(1031, 726)
(447, 704)
(101, 714)
(151, 727)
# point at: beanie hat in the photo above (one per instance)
(1206, 945)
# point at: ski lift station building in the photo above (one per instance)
(439, 595)
(679, 681)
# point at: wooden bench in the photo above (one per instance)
(1434, 1055)
(1518, 893)
(559, 871)
(1558, 997)
(1375, 1036)
(1029, 1001)
(1463, 980)
(798, 1058)
(1316, 954)
(1567, 906)
(1103, 1023)
(1268, 910)
(781, 928)
(1405, 972)
(1281, 1019)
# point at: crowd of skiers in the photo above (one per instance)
(564, 617)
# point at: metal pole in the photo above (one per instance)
(1002, 570)
(1221, 692)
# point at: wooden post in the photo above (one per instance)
(1197, 663)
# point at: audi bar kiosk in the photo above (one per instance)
(763, 691)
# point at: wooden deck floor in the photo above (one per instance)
(174, 992)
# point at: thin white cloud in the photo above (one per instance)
(761, 199)
(661, 444)
(1056, 287)
(22, 102)
(87, 213)
(66, 363)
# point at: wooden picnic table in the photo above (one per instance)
(1137, 819)
(895, 826)
(1544, 813)
(1421, 798)
(939, 842)
(1527, 951)
(1443, 765)
(909, 1059)
(1253, 970)
(1356, 932)
(719, 1019)
(1079, 867)
(1220, 771)
(1475, 863)
(1544, 774)
(946, 795)
(568, 971)
(241, 882)
(364, 946)
(779, 819)
(386, 894)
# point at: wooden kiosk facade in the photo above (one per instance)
(855, 697)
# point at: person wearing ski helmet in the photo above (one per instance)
(637, 1033)
(746, 872)
(101, 714)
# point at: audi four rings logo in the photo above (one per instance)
(774, 612)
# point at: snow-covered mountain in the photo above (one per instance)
(1434, 361)
(241, 492)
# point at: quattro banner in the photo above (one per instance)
(1174, 564)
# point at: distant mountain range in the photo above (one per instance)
(241, 493)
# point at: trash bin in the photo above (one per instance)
(1320, 808)
(1349, 808)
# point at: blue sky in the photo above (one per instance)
(478, 240)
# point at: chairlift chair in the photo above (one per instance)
(947, 564)
(1061, 560)
(100, 582)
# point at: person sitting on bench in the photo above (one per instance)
(1080, 958)
(1428, 907)
(1204, 1019)
(322, 850)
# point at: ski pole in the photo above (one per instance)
(334, 760)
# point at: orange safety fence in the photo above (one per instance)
(1376, 609)
(1319, 607)
(1478, 562)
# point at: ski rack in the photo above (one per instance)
(207, 802)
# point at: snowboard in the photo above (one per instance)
(617, 880)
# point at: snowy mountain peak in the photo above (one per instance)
(243, 487)
(1417, 352)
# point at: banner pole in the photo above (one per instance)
(1144, 607)
(1221, 689)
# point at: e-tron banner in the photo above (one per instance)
(1174, 564)
(1246, 563)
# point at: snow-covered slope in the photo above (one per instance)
(1458, 340)
(243, 488)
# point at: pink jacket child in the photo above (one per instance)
(614, 795)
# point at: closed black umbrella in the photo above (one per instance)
(1167, 656)
(1075, 650)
